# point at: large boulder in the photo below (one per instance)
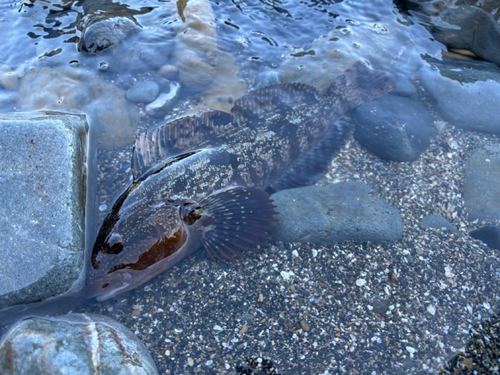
(42, 205)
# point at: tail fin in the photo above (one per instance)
(359, 84)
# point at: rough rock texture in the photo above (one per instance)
(196, 44)
(105, 33)
(393, 128)
(482, 184)
(334, 213)
(465, 93)
(42, 174)
(437, 222)
(73, 344)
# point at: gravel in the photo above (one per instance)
(304, 309)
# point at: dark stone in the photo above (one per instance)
(393, 128)
(489, 234)
(482, 184)
(437, 222)
(380, 307)
(335, 213)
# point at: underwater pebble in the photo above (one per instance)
(295, 253)
(8, 78)
(431, 309)
(143, 92)
(218, 328)
(103, 207)
(360, 282)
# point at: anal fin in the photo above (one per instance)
(309, 168)
(235, 221)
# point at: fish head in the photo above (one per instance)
(136, 242)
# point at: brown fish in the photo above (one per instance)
(200, 181)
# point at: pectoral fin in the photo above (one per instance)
(233, 221)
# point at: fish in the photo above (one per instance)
(204, 181)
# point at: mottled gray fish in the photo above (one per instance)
(200, 181)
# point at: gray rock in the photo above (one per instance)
(165, 101)
(470, 28)
(334, 213)
(393, 128)
(42, 205)
(465, 93)
(73, 344)
(404, 86)
(143, 92)
(482, 184)
(437, 222)
(105, 33)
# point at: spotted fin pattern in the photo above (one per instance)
(236, 221)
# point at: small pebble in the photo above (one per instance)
(431, 309)
(103, 207)
(218, 328)
(360, 282)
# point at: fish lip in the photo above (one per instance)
(118, 282)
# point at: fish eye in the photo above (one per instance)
(114, 243)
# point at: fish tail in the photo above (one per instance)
(357, 85)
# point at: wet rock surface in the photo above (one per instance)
(143, 92)
(465, 93)
(393, 128)
(482, 184)
(335, 213)
(73, 344)
(106, 33)
(42, 205)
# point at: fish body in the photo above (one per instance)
(200, 181)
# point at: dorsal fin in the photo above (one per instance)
(281, 97)
(153, 150)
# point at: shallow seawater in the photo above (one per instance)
(408, 307)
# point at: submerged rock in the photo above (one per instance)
(42, 247)
(482, 184)
(143, 92)
(335, 213)
(437, 222)
(105, 33)
(73, 344)
(489, 234)
(196, 52)
(70, 88)
(466, 93)
(393, 128)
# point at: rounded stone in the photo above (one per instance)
(73, 344)
(335, 213)
(437, 222)
(482, 184)
(393, 128)
(143, 92)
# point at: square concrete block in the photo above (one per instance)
(42, 205)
